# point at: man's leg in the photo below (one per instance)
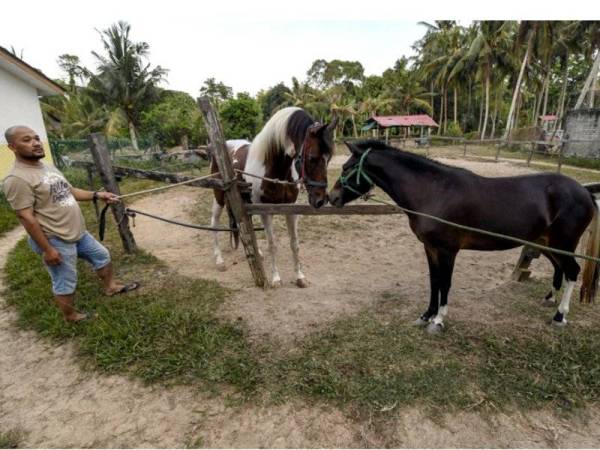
(98, 256)
(107, 278)
(66, 304)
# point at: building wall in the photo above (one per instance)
(583, 124)
(19, 106)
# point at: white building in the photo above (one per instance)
(20, 88)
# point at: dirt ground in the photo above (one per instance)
(349, 262)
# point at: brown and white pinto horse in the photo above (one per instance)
(291, 147)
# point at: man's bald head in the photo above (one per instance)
(12, 132)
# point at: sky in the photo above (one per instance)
(249, 45)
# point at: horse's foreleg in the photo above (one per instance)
(446, 267)
(267, 221)
(434, 289)
(214, 222)
(292, 226)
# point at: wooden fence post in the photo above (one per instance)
(530, 154)
(465, 149)
(560, 156)
(521, 271)
(232, 192)
(99, 148)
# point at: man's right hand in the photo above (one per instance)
(52, 257)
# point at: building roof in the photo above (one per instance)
(403, 121)
(548, 118)
(31, 75)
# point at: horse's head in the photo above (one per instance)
(312, 161)
(354, 182)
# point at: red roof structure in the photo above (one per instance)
(404, 121)
(549, 118)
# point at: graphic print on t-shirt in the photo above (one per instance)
(60, 190)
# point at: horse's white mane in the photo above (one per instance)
(273, 136)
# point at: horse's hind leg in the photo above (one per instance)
(217, 209)
(571, 270)
(549, 299)
(267, 221)
(292, 226)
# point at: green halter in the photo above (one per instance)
(360, 172)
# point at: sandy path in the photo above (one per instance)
(45, 394)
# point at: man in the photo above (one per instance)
(46, 205)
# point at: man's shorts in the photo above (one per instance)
(64, 275)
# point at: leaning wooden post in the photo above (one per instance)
(521, 271)
(99, 148)
(560, 156)
(232, 192)
(530, 154)
(465, 148)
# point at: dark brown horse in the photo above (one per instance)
(291, 147)
(549, 208)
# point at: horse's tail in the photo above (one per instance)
(234, 234)
(591, 270)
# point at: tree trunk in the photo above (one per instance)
(184, 142)
(445, 109)
(494, 117)
(480, 114)
(547, 85)
(563, 95)
(487, 103)
(589, 81)
(132, 135)
(455, 106)
(468, 109)
(354, 126)
(511, 111)
(441, 124)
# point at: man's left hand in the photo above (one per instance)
(108, 197)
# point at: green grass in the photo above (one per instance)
(372, 363)
(8, 219)
(10, 439)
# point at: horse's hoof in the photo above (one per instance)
(420, 322)
(221, 267)
(435, 328)
(301, 283)
(559, 324)
(276, 283)
(548, 302)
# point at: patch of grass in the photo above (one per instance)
(10, 439)
(8, 219)
(165, 332)
(374, 362)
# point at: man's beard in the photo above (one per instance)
(33, 157)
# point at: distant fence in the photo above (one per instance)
(550, 151)
(71, 147)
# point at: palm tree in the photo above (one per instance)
(123, 80)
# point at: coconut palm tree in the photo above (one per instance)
(123, 80)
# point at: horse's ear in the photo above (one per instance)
(354, 149)
(317, 128)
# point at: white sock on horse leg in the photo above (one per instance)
(214, 222)
(563, 308)
(441, 315)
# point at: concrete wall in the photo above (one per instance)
(19, 105)
(583, 124)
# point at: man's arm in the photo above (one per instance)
(82, 195)
(34, 229)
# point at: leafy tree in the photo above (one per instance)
(72, 67)
(174, 119)
(216, 90)
(240, 117)
(273, 99)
